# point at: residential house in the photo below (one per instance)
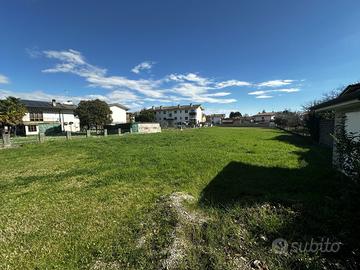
(172, 115)
(236, 121)
(346, 104)
(264, 117)
(118, 113)
(215, 119)
(43, 116)
(227, 121)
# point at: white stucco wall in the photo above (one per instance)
(178, 115)
(67, 118)
(28, 133)
(353, 122)
(216, 120)
(118, 115)
(64, 118)
(199, 115)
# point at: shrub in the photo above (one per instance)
(348, 150)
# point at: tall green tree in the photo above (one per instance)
(93, 113)
(145, 116)
(235, 114)
(11, 112)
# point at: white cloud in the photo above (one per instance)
(187, 87)
(71, 56)
(288, 90)
(72, 62)
(232, 83)
(4, 79)
(143, 66)
(219, 94)
(264, 93)
(118, 96)
(190, 77)
(145, 87)
(275, 83)
(260, 92)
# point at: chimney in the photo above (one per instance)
(190, 104)
(53, 102)
(178, 105)
(160, 107)
(153, 107)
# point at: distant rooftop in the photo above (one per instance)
(47, 104)
(265, 114)
(178, 107)
(217, 115)
(119, 105)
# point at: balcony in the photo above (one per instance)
(192, 113)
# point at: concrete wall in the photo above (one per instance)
(118, 115)
(148, 127)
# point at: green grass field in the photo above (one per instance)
(100, 203)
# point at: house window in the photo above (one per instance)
(186, 118)
(164, 112)
(186, 111)
(174, 111)
(164, 118)
(170, 114)
(36, 117)
(175, 118)
(32, 128)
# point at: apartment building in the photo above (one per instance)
(180, 114)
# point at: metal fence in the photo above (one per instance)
(8, 141)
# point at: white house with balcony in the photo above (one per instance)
(180, 114)
(47, 117)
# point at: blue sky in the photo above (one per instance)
(228, 55)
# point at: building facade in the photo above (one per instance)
(215, 119)
(47, 117)
(264, 117)
(180, 114)
(118, 113)
(346, 105)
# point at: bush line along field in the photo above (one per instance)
(105, 203)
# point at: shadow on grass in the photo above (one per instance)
(326, 204)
